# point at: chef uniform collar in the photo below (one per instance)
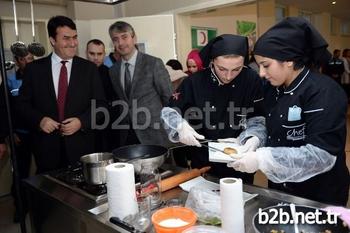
(293, 39)
(225, 44)
(297, 82)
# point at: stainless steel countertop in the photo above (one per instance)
(82, 205)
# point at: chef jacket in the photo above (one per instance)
(311, 110)
(201, 96)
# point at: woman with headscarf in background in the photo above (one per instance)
(224, 100)
(194, 62)
(306, 116)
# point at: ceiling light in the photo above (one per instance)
(334, 2)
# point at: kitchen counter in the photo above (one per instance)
(55, 208)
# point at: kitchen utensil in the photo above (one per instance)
(35, 48)
(274, 213)
(137, 154)
(174, 214)
(215, 149)
(174, 181)
(94, 167)
(18, 48)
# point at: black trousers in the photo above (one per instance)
(24, 155)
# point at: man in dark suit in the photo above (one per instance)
(143, 86)
(106, 139)
(57, 98)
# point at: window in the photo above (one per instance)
(305, 14)
(345, 28)
(280, 13)
(333, 25)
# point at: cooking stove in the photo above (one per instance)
(73, 179)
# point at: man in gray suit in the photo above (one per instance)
(143, 86)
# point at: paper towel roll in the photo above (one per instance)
(232, 205)
(121, 190)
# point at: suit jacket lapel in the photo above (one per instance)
(137, 72)
(48, 71)
(116, 80)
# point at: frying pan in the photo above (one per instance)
(152, 154)
(289, 227)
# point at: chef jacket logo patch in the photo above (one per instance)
(295, 132)
(294, 113)
(176, 96)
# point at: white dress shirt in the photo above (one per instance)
(132, 62)
(56, 69)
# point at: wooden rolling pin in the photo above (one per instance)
(174, 181)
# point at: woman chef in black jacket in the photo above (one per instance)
(306, 116)
(224, 100)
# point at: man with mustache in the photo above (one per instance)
(56, 100)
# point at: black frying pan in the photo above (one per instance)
(147, 153)
(289, 228)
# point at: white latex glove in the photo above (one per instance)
(250, 145)
(248, 163)
(229, 140)
(188, 136)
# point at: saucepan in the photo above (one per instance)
(138, 154)
(277, 219)
(94, 167)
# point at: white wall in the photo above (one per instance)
(136, 7)
(157, 32)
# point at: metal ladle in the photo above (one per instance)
(18, 48)
(35, 48)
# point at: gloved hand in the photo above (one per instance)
(248, 163)
(343, 213)
(250, 145)
(187, 135)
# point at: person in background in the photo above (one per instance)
(56, 100)
(176, 73)
(306, 116)
(335, 67)
(23, 142)
(141, 83)
(177, 76)
(222, 101)
(345, 78)
(194, 62)
(174, 64)
(95, 52)
(111, 58)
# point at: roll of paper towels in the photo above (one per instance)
(121, 193)
(232, 205)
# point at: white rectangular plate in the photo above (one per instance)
(205, 184)
(219, 157)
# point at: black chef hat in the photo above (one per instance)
(226, 44)
(293, 39)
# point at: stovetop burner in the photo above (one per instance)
(72, 176)
(73, 179)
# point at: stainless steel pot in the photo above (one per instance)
(138, 154)
(94, 167)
